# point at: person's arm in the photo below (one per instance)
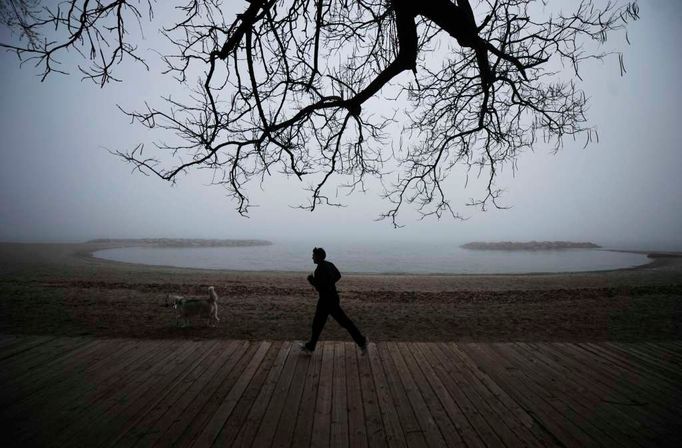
(314, 278)
(335, 274)
(311, 280)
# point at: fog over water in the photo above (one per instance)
(59, 183)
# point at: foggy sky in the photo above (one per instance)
(59, 183)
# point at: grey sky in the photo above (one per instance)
(58, 183)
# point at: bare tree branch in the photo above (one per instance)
(293, 86)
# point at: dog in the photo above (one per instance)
(185, 309)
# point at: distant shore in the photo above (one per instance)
(529, 245)
(178, 242)
(60, 289)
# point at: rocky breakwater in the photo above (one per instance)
(529, 245)
(179, 242)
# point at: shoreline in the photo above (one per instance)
(84, 251)
(60, 289)
(655, 259)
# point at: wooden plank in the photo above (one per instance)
(197, 412)
(129, 394)
(455, 387)
(642, 379)
(435, 409)
(292, 403)
(591, 419)
(84, 398)
(509, 405)
(389, 414)
(660, 348)
(655, 351)
(611, 364)
(150, 392)
(545, 409)
(600, 385)
(7, 339)
(464, 428)
(24, 386)
(268, 426)
(618, 385)
(70, 385)
(357, 431)
(39, 350)
(660, 397)
(422, 412)
(414, 435)
(249, 429)
(507, 428)
(653, 402)
(215, 424)
(133, 392)
(306, 413)
(339, 415)
(541, 378)
(220, 416)
(665, 350)
(513, 425)
(629, 362)
(323, 405)
(146, 430)
(229, 431)
(505, 424)
(647, 360)
(23, 345)
(162, 395)
(39, 356)
(608, 421)
(674, 346)
(209, 420)
(647, 355)
(376, 436)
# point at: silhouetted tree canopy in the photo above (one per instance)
(340, 90)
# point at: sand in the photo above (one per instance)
(59, 289)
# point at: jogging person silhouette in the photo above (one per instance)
(324, 280)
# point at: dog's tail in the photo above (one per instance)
(212, 296)
(213, 299)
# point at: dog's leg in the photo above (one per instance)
(215, 313)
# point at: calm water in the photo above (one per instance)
(377, 258)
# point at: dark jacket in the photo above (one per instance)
(324, 279)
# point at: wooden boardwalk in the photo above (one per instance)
(58, 391)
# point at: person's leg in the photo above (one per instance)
(343, 320)
(321, 313)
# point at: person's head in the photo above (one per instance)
(318, 255)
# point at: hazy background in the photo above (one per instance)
(58, 182)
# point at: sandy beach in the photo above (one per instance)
(60, 289)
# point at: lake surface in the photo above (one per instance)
(380, 258)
